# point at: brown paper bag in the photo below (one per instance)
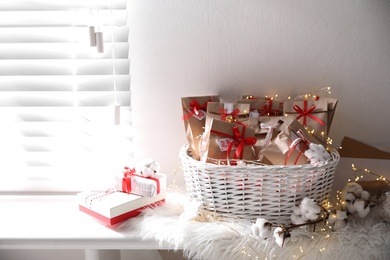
(194, 117)
(230, 141)
(290, 144)
(312, 114)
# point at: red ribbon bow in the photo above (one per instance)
(300, 139)
(126, 180)
(239, 141)
(266, 109)
(224, 115)
(307, 113)
(195, 107)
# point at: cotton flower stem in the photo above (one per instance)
(291, 226)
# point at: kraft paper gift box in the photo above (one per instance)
(229, 112)
(139, 185)
(194, 117)
(281, 151)
(312, 114)
(112, 206)
(230, 141)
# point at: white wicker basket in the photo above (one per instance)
(254, 191)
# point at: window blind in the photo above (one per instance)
(58, 93)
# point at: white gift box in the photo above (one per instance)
(143, 186)
(113, 206)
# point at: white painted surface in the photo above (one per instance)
(285, 47)
(70, 254)
(55, 222)
(44, 224)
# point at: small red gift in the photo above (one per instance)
(131, 182)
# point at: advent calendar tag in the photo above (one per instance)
(223, 144)
(200, 115)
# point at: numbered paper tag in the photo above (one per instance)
(201, 114)
(224, 143)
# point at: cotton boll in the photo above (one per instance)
(310, 205)
(266, 232)
(350, 197)
(317, 153)
(260, 222)
(303, 216)
(264, 228)
(365, 195)
(351, 208)
(297, 211)
(359, 205)
(364, 213)
(314, 209)
(362, 208)
(340, 219)
(255, 231)
(279, 236)
(332, 218)
(311, 156)
(339, 224)
(147, 167)
(297, 219)
(311, 216)
(351, 187)
(310, 209)
(306, 202)
(341, 215)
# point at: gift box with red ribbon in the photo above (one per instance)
(131, 182)
(229, 112)
(312, 114)
(112, 206)
(230, 141)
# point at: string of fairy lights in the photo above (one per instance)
(319, 239)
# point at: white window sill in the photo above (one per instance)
(55, 222)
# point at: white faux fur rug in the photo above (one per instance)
(366, 238)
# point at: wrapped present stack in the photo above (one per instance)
(132, 191)
(269, 131)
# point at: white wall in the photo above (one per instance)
(285, 47)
